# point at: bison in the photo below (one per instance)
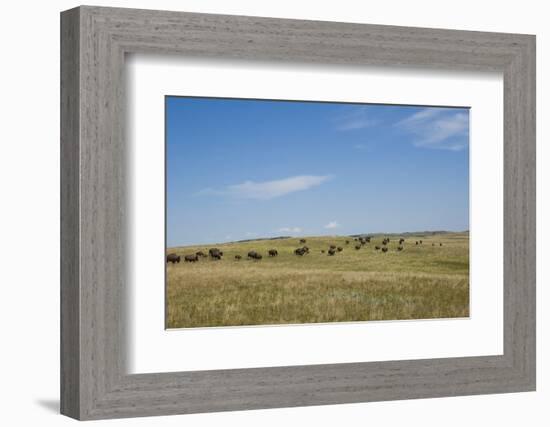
(357, 247)
(441, 244)
(347, 242)
(385, 249)
(273, 252)
(300, 251)
(191, 258)
(420, 241)
(377, 247)
(201, 254)
(367, 239)
(238, 257)
(215, 253)
(401, 241)
(416, 243)
(331, 252)
(339, 248)
(302, 241)
(254, 255)
(332, 247)
(400, 248)
(322, 251)
(173, 258)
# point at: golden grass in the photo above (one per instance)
(421, 282)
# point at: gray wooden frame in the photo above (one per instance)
(94, 382)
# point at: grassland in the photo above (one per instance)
(420, 282)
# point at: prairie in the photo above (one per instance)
(422, 281)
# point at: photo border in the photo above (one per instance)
(94, 381)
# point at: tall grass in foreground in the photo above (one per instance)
(421, 282)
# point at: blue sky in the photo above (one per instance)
(242, 169)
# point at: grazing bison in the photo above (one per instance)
(420, 241)
(416, 243)
(385, 249)
(322, 251)
(301, 251)
(332, 247)
(433, 244)
(367, 239)
(305, 248)
(339, 248)
(400, 248)
(201, 254)
(191, 258)
(331, 252)
(302, 241)
(401, 241)
(173, 258)
(357, 247)
(273, 252)
(377, 247)
(238, 257)
(254, 255)
(441, 244)
(347, 242)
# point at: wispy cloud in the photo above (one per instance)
(356, 117)
(332, 224)
(266, 190)
(292, 230)
(439, 128)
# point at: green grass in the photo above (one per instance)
(421, 282)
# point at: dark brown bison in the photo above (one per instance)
(400, 248)
(339, 248)
(254, 255)
(238, 257)
(377, 247)
(273, 252)
(305, 248)
(201, 254)
(322, 251)
(302, 241)
(300, 251)
(357, 247)
(433, 244)
(331, 252)
(385, 249)
(215, 253)
(191, 258)
(332, 247)
(173, 258)
(416, 243)
(401, 241)
(347, 242)
(420, 241)
(367, 239)
(441, 244)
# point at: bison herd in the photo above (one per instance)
(216, 254)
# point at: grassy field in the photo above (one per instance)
(420, 282)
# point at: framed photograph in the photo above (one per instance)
(262, 213)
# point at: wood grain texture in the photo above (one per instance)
(94, 381)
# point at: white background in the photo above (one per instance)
(29, 218)
(153, 349)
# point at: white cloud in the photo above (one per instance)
(440, 128)
(332, 224)
(290, 230)
(269, 189)
(357, 117)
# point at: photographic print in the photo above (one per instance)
(303, 212)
